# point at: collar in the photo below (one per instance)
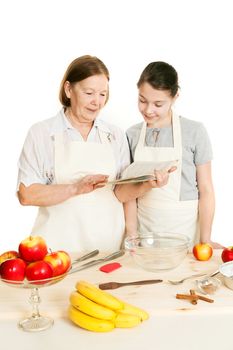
(61, 124)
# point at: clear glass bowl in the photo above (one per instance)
(158, 251)
(226, 269)
(208, 285)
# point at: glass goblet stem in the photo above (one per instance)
(35, 301)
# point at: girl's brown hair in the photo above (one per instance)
(161, 76)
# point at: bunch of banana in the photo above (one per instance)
(96, 310)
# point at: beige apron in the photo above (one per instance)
(90, 221)
(160, 209)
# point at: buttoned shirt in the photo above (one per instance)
(36, 162)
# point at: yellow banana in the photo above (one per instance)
(91, 308)
(134, 310)
(88, 322)
(99, 296)
(123, 320)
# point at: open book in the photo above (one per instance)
(132, 180)
(142, 171)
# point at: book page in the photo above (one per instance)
(141, 172)
(143, 168)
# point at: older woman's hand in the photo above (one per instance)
(90, 182)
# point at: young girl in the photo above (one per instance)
(186, 204)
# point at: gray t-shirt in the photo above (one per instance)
(196, 150)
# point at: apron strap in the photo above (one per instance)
(59, 138)
(141, 140)
(142, 136)
(176, 131)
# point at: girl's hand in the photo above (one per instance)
(161, 178)
(173, 168)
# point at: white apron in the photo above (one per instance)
(160, 209)
(90, 221)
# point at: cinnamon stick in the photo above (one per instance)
(193, 297)
(193, 301)
(208, 300)
(187, 297)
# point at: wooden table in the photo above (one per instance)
(173, 324)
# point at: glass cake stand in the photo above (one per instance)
(36, 322)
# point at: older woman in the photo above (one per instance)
(66, 160)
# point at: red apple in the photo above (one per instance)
(227, 254)
(38, 270)
(33, 248)
(60, 262)
(13, 269)
(10, 254)
(202, 251)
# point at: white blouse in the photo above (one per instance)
(36, 162)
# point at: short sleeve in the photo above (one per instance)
(124, 154)
(29, 164)
(203, 150)
(133, 134)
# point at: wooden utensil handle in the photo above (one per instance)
(141, 282)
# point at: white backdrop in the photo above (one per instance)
(40, 38)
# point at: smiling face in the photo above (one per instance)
(87, 97)
(155, 105)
